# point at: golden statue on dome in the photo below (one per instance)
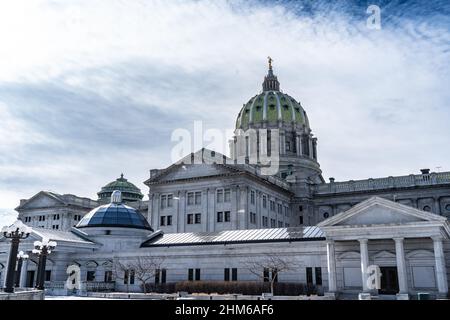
(270, 62)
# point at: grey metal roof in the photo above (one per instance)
(66, 236)
(237, 236)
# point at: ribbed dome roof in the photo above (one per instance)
(129, 191)
(114, 214)
(271, 106)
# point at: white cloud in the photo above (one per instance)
(377, 100)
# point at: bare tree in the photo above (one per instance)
(271, 263)
(144, 268)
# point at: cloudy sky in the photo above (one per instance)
(90, 89)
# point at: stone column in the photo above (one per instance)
(155, 213)
(331, 266)
(204, 213)
(176, 202)
(299, 144)
(182, 211)
(234, 206)
(212, 210)
(282, 142)
(401, 266)
(364, 262)
(441, 271)
(242, 213)
(23, 274)
(311, 155)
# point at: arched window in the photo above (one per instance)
(326, 215)
(427, 208)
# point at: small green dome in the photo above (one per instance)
(129, 191)
(271, 106)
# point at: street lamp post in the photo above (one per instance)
(42, 249)
(21, 257)
(15, 232)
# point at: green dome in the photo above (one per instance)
(270, 107)
(129, 191)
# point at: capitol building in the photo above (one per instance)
(208, 215)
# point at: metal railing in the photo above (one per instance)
(94, 286)
(384, 183)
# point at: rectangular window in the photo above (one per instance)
(191, 274)
(309, 276)
(280, 209)
(220, 216)
(227, 193)
(190, 218)
(226, 275)
(190, 198)
(55, 227)
(288, 146)
(272, 223)
(301, 219)
(163, 202)
(286, 211)
(108, 276)
(280, 224)
(157, 274)
(169, 220)
(132, 276)
(198, 218)
(220, 196)
(252, 197)
(272, 205)
(48, 275)
(227, 216)
(163, 275)
(198, 198)
(170, 201)
(318, 271)
(197, 274)
(265, 221)
(125, 277)
(234, 274)
(162, 221)
(266, 275)
(252, 217)
(90, 276)
(264, 202)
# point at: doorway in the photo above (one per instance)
(30, 279)
(389, 280)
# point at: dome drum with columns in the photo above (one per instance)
(273, 109)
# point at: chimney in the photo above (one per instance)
(331, 180)
(425, 171)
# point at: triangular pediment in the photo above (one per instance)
(194, 171)
(379, 211)
(201, 164)
(43, 199)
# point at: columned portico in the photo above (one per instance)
(380, 221)
(441, 271)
